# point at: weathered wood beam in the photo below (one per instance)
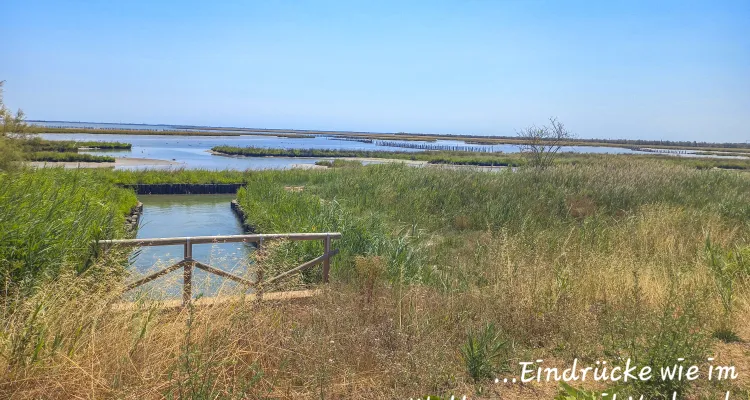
(155, 275)
(308, 264)
(223, 273)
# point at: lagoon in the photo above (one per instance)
(193, 152)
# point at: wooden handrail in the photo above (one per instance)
(220, 239)
(187, 263)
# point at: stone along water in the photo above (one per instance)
(190, 215)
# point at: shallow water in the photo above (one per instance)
(190, 215)
(192, 152)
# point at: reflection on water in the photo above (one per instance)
(190, 215)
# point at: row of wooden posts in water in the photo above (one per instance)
(421, 146)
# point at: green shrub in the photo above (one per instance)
(568, 392)
(729, 268)
(10, 154)
(484, 353)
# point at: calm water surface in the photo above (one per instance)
(190, 215)
(192, 152)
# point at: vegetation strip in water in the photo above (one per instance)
(36, 144)
(151, 132)
(480, 159)
(36, 149)
(120, 131)
(53, 156)
(435, 157)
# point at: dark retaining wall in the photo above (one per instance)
(240, 213)
(185, 188)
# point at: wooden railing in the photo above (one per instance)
(188, 263)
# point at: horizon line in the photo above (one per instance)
(291, 130)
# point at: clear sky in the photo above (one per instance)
(609, 69)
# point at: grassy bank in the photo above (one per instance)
(445, 280)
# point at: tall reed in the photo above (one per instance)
(50, 220)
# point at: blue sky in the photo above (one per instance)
(609, 69)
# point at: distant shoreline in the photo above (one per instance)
(184, 130)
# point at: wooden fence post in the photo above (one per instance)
(187, 277)
(327, 261)
(259, 271)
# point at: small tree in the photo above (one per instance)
(12, 126)
(542, 144)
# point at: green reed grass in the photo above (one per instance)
(50, 219)
(151, 176)
(436, 198)
(36, 144)
(54, 156)
(339, 163)
(275, 209)
(601, 260)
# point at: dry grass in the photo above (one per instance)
(598, 275)
(372, 339)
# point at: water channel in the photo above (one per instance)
(190, 215)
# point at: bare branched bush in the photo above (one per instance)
(542, 144)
